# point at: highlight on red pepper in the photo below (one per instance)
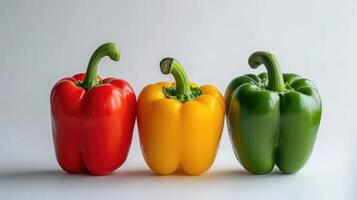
(93, 118)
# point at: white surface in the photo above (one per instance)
(42, 42)
(320, 179)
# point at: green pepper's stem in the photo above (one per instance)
(275, 77)
(107, 49)
(170, 65)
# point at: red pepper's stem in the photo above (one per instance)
(107, 49)
(275, 77)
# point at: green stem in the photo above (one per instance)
(107, 49)
(275, 77)
(183, 90)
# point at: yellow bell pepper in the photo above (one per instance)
(180, 124)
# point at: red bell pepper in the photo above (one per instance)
(93, 119)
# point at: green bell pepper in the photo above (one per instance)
(272, 118)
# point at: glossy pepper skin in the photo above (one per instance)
(93, 119)
(180, 124)
(273, 118)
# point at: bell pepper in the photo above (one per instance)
(273, 118)
(92, 119)
(180, 124)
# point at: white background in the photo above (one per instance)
(42, 42)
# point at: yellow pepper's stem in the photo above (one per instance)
(183, 91)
